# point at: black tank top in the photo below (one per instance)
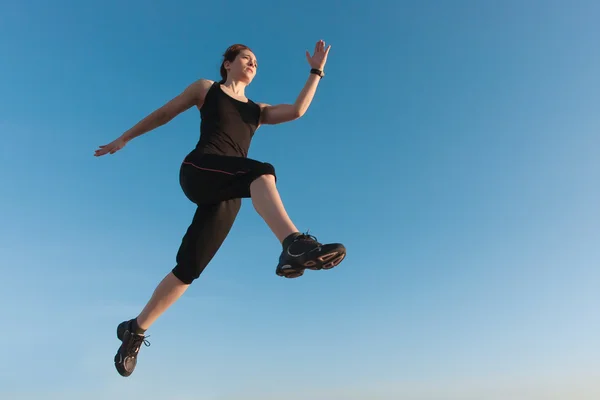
(228, 125)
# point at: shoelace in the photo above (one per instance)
(308, 237)
(136, 342)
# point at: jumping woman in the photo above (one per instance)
(216, 175)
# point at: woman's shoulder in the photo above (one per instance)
(204, 84)
(200, 88)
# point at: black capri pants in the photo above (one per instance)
(216, 184)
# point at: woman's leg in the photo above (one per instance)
(267, 203)
(257, 180)
(168, 291)
(205, 235)
(241, 177)
(217, 184)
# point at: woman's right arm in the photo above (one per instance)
(193, 95)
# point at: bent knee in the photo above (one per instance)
(266, 173)
(187, 274)
(266, 178)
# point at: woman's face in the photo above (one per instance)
(244, 66)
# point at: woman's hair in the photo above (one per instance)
(230, 55)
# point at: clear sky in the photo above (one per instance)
(452, 146)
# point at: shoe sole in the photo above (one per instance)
(120, 367)
(327, 261)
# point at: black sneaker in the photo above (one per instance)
(305, 252)
(126, 357)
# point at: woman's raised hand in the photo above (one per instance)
(319, 58)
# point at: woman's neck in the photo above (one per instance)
(236, 87)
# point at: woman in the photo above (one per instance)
(216, 175)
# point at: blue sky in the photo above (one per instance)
(452, 147)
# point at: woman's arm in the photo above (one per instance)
(288, 112)
(280, 113)
(193, 95)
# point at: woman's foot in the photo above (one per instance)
(303, 251)
(132, 340)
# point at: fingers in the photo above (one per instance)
(105, 149)
(100, 151)
(319, 58)
(320, 47)
(110, 148)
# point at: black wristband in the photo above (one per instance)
(317, 72)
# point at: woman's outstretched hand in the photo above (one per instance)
(319, 58)
(111, 148)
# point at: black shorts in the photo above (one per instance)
(216, 184)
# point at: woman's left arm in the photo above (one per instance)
(280, 113)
